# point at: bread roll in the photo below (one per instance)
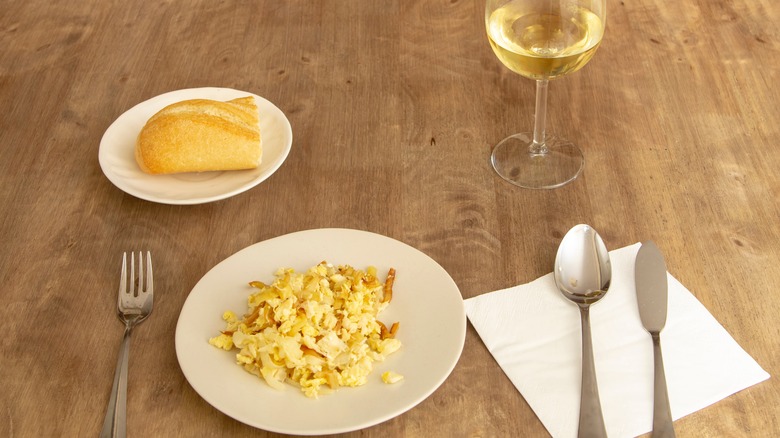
(201, 135)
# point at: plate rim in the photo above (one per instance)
(105, 149)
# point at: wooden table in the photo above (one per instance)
(394, 107)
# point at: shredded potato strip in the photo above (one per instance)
(388, 289)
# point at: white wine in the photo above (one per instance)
(544, 44)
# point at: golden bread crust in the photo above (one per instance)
(201, 135)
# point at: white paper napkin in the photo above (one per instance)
(533, 332)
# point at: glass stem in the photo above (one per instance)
(539, 147)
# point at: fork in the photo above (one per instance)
(134, 304)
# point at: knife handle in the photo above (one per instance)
(662, 414)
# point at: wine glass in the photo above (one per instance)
(542, 40)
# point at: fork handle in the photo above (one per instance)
(115, 424)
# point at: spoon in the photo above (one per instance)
(583, 273)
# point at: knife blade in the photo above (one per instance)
(652, 299)
(651, 287)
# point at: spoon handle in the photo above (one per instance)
(591, 418)
(662, 414)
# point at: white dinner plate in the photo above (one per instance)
(117, 153)
(426, 302)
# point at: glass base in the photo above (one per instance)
(513, 161)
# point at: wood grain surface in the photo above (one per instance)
(394, 106)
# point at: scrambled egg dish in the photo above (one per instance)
(317, 330)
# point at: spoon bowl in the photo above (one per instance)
(583, 273)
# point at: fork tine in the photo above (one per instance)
(132, 289)
(140, 273)
(123, 278)
(149, 282)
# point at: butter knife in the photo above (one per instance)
(651, 296)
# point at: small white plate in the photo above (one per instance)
(426, 302)
(117, 153)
